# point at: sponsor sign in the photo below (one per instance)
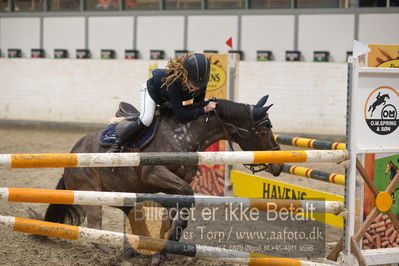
(217, 85)
(247, 185)
(381, 110)
(385, 168)
(382, 168)
(151, 68)
(383, 55)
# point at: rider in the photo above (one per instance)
(182, 83)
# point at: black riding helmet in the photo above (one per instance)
(198, 68)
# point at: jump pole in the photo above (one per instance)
(78, 197)
(120, 240)
(48, 160)
(309, 143)
(314, 174)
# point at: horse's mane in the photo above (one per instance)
(231, 111)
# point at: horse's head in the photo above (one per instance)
(250, 127)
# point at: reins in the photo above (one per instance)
(203, 132)
(254, 168)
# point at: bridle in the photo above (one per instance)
(253, 131)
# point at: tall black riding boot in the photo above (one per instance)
(129, 133)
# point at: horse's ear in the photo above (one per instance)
(262, 101)
(268, 107)
(260, 112)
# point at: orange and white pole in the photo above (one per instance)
(78, 197)
(117, 239)
(167, 158)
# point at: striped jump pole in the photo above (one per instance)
(310, 143)
(167, 158)
(77, 197)
(121, 240)
(314, 174)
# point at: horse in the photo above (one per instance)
(381, 99)
(247, 125)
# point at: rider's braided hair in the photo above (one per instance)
(175, 71)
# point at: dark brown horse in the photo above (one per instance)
(247, 125)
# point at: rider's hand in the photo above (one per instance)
(211, 106)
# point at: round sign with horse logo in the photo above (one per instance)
(381, 110)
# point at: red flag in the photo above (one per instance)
(229, 42)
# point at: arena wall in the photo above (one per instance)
(308, 98)
(102, 35)
(320, 33)
(160, 33)
(211, 32)
(23, 33)
(276, 30)
(378, 28)
(271, 39)
(52, 39)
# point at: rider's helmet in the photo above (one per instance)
(198, 69)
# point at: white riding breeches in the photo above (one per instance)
(147, 106)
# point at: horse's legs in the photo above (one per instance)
(93, 214)
(161, 177)
(171, 230)
(165, 227)
(137, 220)
(94, 220)
(137, 223)
(177, 225)
(87, 179)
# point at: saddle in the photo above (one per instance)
(126, 114)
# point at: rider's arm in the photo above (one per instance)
(183, 114)
(199, 100)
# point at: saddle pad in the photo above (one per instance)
(108, 136)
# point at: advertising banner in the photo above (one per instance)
(383, 55)
(381, 168)
(252, 186)
(373, 132)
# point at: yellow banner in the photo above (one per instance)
(383, 55)
(217, 85)
(246, 185)
(151, 68)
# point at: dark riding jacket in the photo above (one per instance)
(187, 105)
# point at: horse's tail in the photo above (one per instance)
(60, 213)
